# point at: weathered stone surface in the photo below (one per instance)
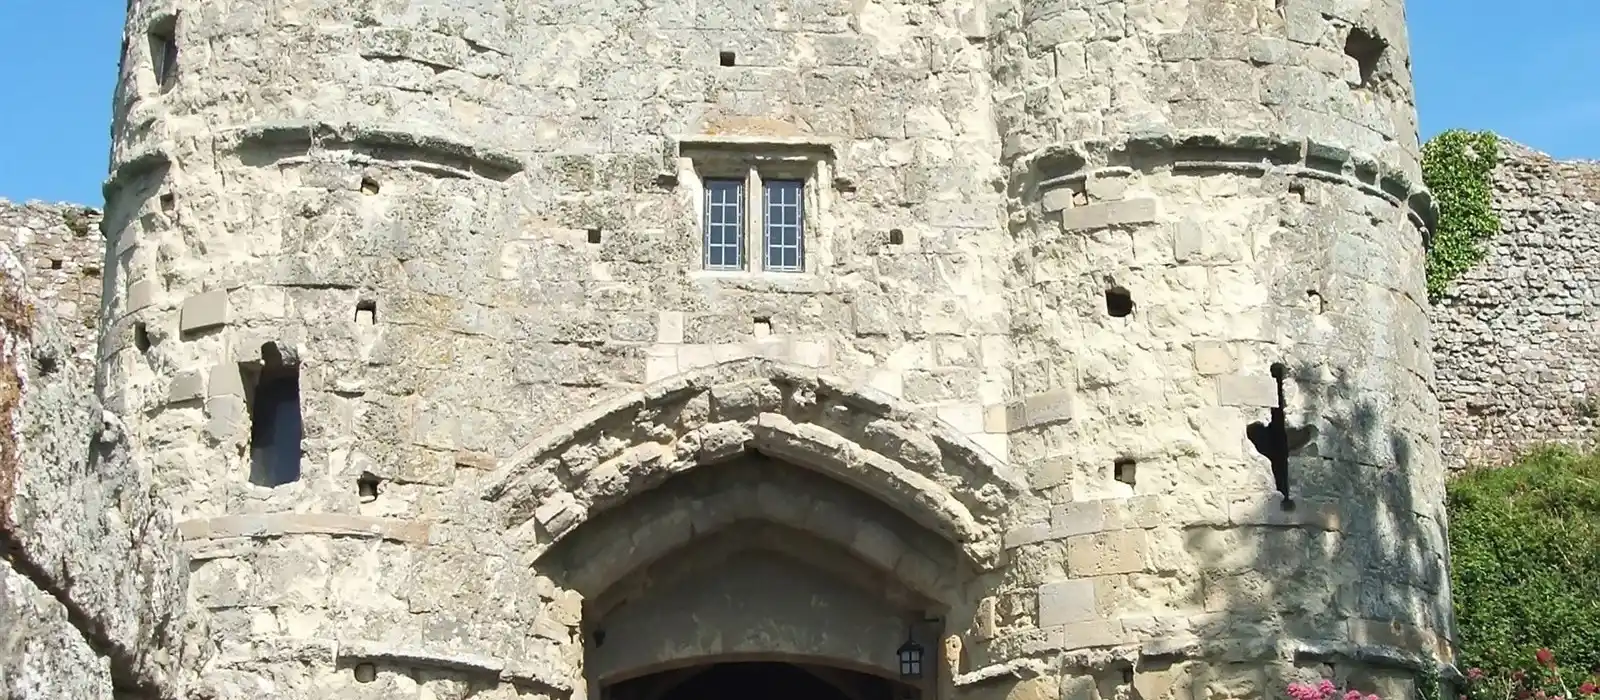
(1515, 337)
(42, 655)
(524, 407)
(87, 548)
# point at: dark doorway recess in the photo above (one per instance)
(766, 680)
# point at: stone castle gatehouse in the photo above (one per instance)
(694, 349)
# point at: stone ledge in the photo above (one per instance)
(1020, 669)
(440, 155)
(1072, 163)
(1112, 643)
(285, 524)
(133, 167)
(539, 672)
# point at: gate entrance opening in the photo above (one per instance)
(743, 680)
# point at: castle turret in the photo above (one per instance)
(583, 349)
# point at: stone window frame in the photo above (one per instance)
(756, 162)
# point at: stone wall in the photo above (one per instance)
(1517, 338)
(91, 588)
(63, 264)
(1110, 328)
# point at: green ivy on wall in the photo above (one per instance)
(1457, 166)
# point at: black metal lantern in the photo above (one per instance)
(910, 655)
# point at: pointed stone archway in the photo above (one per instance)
(752, 513)
(910, 461)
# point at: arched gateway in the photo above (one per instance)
(757, 530)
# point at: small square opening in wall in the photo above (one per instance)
(726, 58)
(367, 312)
(169, 201)
(594, 235)
(367, 487)
(369, 186)
(1315, 301)
(1123, 470)
(896, 236)
(1119, 302)
(762, 326)
(55, 263)
(141, 337)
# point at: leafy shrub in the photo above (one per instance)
(1525, 550)
(1545, 681)
(1458, 166)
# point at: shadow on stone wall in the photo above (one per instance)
(1344, 583)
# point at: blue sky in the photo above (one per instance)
(1516, 68)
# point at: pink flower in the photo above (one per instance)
(1475, 674)
(1352, 695)
(1326, 689)
(1545, 657)
(1302, 691)
(1588, 688)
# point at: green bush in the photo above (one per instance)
(1525, 551)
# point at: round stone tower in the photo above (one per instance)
(643, 350)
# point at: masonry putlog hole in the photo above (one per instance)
(1275, 440)
(1123, 470)
(367, 487)
(1119, 302)
(367, 312)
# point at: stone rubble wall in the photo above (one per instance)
(1517, 338)
(63, 264)
(92, 589)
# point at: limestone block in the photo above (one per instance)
(660, 362)
(204, 310)
(227, 419)
(1057, 199)
(225, 381)
(1070, 519)
(995, 418)
(1099, 554)
(1063, 602)
(1109, 183)
(1103, 214)
(186, 386)
(1096, 633)
(140, 294)
(1026, 535)
(1244, 390)
(1036, 410)
(1212, 357)
(669, 327)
